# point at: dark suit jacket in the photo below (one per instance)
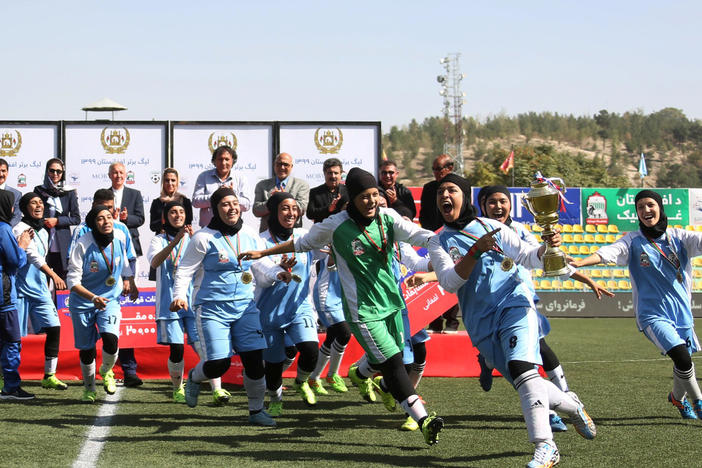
(132, 200)
(17, 214)
(320, 199)
(70, 216)
(405, 201)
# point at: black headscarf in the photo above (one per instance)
(357, 181)
(7, 201)
(274, 225)
(468, 211)
(167, 226)
(658, 229)
(489, 190)
(217, 223)
(48, 188)
(27, 218)
(103, 240)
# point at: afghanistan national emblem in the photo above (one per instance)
(114, 141)
(328, 141)
(10, 142)
(218, 139)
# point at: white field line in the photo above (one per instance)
(96, 436)
(618, 361)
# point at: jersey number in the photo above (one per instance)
(512, 342)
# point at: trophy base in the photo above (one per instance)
(555, 262)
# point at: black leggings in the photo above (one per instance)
(681, 357)
(339, 332)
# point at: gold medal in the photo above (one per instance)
(110, 281)
(679, 277)
(296, 278)
(246, 277)
(507, 264)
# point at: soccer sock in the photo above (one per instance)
(559, 400)
(534, 400)
(301, 375)
(88, 371)
(688, 382)
(108, 361)
(277, 394)
(557, 376)
(216, 384)
(175, 370)
(50, 365)
(322, 360)
(197, 373)
(337, 354)
(256, 392)
(416, 372)
(414, 407)
(365, 368)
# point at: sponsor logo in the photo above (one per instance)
(114, 141)
(21, 180)
(596, 209)
(218, 139)
(10, 142)
(455, 254)
(130, 178)
(357, 247)
(94, 266)
(223, 256)
(328, 141)
(644, 261)
(155, 177)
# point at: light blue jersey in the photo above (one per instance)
(83, 228)
(165, 276)
(327, 294)
(31, 281)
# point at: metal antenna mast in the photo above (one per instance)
(453, 100)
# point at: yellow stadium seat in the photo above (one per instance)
(697, 273)
(623, 284)
(537, 272)
(573, 249)
(567, 228)
(689, 227)
(538, 238)
(619, 273)
(578, 285)
(536, 284)
(537, 228)
(602, 283)
(606, 273)
(567, 238)
(697, 261)
(611, 284)
(596, 273)
(626, 272)
(578, 238)
(612, 228)
(545, 284)
(698, 227)
(600, 238)
(584, 250)
(568, 284)
(594, 248)
(577, 228)
(589, 239)
(564, 249)
(610, 238)
(590, 228)
(678, 226)
(558, 227)
(527, 226)
(698, 284)
(601, 228)
(619, 236)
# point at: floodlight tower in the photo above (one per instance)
(453, 100)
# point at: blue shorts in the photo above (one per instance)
(41, 311)
(220, 337)
(516, 339)
(87, 325)
(407, 351)
(326, 298)
(172, 331)
(9, 326)
(544, 326)
(420, 337)
(665, 335)
(303, 328)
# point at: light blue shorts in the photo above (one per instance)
(516, 339)
(172, 331)
(40, 311)
(221, 337)
(327, 300)
(303, 328)
(544, 326)
(665, 335)
(87, 325)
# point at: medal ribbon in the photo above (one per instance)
(109, 263)
(175, 259)
(238, 246)
(675, 260)
(384, 241)
(496, 248)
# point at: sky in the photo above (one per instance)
(365, 61)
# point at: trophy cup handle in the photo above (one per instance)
(559, 182)
(527, 204)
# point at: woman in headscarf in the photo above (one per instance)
(34, 300)
(362, 239)
(170, 182)
(225, 311)
(660, 267)
(60, 213)
(285, 308)
(98, 262)
(475, 258)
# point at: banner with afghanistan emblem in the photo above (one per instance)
(27, 146)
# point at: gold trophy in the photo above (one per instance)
(543, 201)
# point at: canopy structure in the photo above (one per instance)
(103, 105)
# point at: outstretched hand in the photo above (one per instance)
(487, 242)
(250, 255)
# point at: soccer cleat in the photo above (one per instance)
(88, 396)
(556, 423)
(221, 397)
(275, 409)
(132, 381)
(431, 426)
(388, 400)
(108, 382)
(261, 419)
(365, 386)
(179, 395)
(336, 382)
(51, 381)
(192, 390)
(409, 425)
(683, 406)
(485, 378)
(17, 394)
(545, 456)
(318, 387)
(697, 406)
(584, 425)
(306, 393)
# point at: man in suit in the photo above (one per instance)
(331, 197)
(131, 212)
(282, 182)
(4, 172)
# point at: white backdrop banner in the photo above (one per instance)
(193, 144)
(695, 206)
(26, 147)
(92, 147)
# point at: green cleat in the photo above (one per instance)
(431, 426)
(88, 396)
(388, 400)
(108, 382)
(221, 397)
(365, 386)
(275, 409)
(51, 381)
(409, 425)
(336, 382)
(179, 395)
(318, 387)
(306, 393)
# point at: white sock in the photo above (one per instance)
(337, 354)
(88, 371)
(557, 376)
(197, 373)
(533, 397)
(416, 372)
(559, 400)
(256, 392)
(175, 370)
(688, 381)
(50, 364)
(277, 394)
(108, 361)
(414, 407)
(216, 384)
(322, 360)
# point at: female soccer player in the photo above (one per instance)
(362, 239)
(659, 265)
(498, 309)
(33, 296)
(98, 259)
(225, 311)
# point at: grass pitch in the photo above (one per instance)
(617, 373)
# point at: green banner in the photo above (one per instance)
(616, 206)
